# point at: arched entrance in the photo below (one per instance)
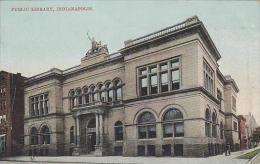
(91, 134)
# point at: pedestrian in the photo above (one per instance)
(227, 152)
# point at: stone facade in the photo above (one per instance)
(11, 113)
(160, 95)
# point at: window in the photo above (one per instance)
(219, 96)
(34, 136)
(45, 135)
(144, 90)
(207, 123)
(102, 93)
(160, 78)
(110, 92)
(72, 98)
(39, 105)
(221, 130)
(150, 150)
(2, 92)
(234, 126)
(178, 150)
(79, 97)
(153, 84)
(234, 102)
(2, 143)
(141, 150)
(214, 125)
(119, 131)
(166, 150)
(72, 135)
(173, 123)
(146, 125)
(93, 93)
(164, 81)
(208, 75)
(118, 90)
(86, 95)
(118, 150)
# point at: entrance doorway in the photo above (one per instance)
(91, 134)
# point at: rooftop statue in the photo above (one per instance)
(95, 46)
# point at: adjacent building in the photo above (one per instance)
(243, 133)
(251, 125)
(11, 113)
(160, 95)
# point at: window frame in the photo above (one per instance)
(147, 74)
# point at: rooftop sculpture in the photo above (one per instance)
(96, 47)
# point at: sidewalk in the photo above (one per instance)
(220, 159)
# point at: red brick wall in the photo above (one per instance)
(242, 133)
(14, 111)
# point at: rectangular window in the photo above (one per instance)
(234, 103)
(151, 131)
(144, 86)
(153, 69)
(143, 71)
(39, 105)
(208, 77)
(164, 66)
(165, 74)
(150, 150)
(142, 132)
(178, 150)
(118, 150)
(175, 63)
(175, 79)
(178, 129)
(167, 130)
(235, 125)
(141, 150)
(164, 82)
(154, 86)
(167, 150)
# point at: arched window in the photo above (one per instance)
(110, 94)
(34, 136)
(221, 130)
(102, 93)
(45, 135)
(73, 101)
(79, 96)
(146, 125)
(173, 123)
(72, 135)
(207, 123)
(92, 92)
(214, 125)
(118, 90)
(86, 95)
(119, 133)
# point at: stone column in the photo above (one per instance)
(97, 129)
(77, 132)
(76, 150)
(101, 129)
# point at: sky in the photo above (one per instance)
(35, 41)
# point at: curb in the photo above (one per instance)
(251, 160)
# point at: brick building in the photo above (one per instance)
(160, 95)
(11, 113)
(242, 132)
